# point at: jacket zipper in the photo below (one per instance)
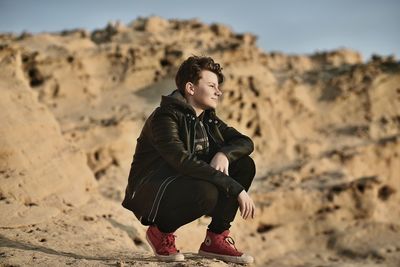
(142, 182)
(208, 130)
(194, 136)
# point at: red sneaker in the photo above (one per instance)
(163, 245)
(222, 247)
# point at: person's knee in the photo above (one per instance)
(245, 169)
(249, 165)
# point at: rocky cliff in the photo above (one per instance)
(326, 128)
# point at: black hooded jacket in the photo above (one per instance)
(165, 152)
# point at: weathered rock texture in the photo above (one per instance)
(326, 128)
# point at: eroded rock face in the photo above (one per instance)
(326, 129)
(41, 174)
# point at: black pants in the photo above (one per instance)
(187, 199)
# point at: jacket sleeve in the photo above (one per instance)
(165, 138)
(236, 145)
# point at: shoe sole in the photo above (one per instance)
(244, 259)
(174, 257)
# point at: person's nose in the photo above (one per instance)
(218, 92)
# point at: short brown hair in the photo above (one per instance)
(190, 71)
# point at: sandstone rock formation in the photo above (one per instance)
(326, 128)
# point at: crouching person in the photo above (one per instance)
(189, 163)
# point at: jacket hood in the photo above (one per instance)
(176, 99)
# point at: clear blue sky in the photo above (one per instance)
(290, 26)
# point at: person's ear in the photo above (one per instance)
(189, 88)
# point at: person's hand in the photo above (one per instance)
(246, 205)
(220, 162)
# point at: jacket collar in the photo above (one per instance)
(177, 100)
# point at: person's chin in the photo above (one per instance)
(214, 106)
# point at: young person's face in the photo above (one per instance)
(206, 93)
